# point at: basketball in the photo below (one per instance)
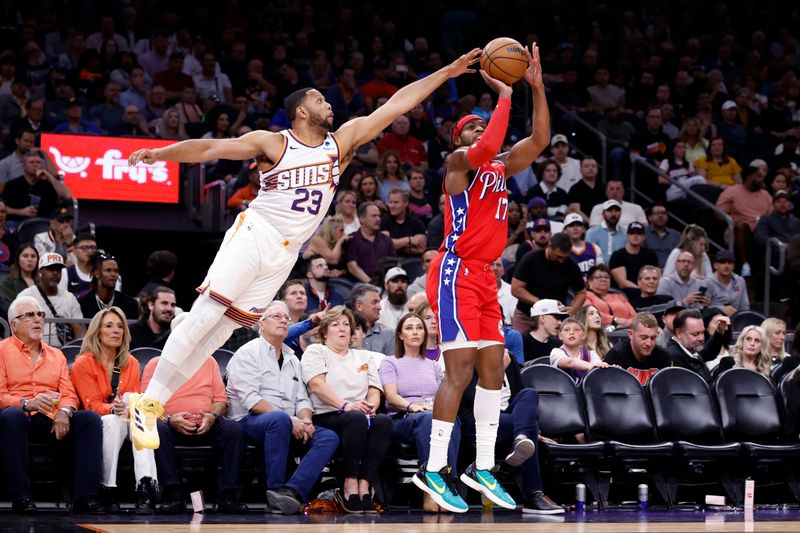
(504, 59)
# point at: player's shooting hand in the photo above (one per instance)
(502, 90)
(144, 156)
(533, 74)
(462, 64)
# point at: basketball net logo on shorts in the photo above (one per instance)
(113, 165)
(305, 176)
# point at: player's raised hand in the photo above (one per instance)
(462, 64)
(533, 74)
(144, 156)
(502, 89)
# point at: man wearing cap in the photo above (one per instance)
(548, 189)
(745, 203)
(631, 212)
(11, 166)
(546, 317)
(570, 167)
(735, 134)
(74, 123)
(639, 354)
(59, 237)
(608, 235)
(393, 304)
(540, 230)
(55, 301)
(37, 192)
(244, 195)
(728, 290)
(658, 237)
(585, 254)
(12, 106)
(781, 224)
(668, 331)
(586, 193)
(626, 262)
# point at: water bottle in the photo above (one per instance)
(643, 496)
(580, 497)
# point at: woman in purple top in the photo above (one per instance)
(410, 381)
(427, 315)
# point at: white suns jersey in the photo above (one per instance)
(296, 193)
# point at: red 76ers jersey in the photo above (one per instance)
(476, 221)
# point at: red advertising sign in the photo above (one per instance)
(96, 168)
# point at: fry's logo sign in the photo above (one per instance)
(96, 168)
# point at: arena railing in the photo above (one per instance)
(214, 209)
(601, 138)
(642, 163)
(194, 182)
(770, 270)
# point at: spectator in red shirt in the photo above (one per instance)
(410, 149)
(38, 403)
(378, 87)
(173, 78)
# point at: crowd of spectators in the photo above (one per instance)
(713, 109)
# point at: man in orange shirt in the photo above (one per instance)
(194, 418)
(244, 195)
(35, 388)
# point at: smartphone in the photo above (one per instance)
(703, 290)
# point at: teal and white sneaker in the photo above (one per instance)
(439, 485)
(484, 482)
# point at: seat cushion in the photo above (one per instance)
(588, 450)
(770, 451)
(690, 449)
(661, 449)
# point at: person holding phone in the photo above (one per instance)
(681, 285)
(36, 193)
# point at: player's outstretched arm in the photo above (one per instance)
(247, 146)
(525, 152)
(363, 129)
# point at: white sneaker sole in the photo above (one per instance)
(436, 496)
(525, 510)
(521, 453)
(471, 483)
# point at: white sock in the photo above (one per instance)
(440, 442)
(487, 417)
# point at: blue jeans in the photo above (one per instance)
(273, 431)
(522, 417)
(416, 429)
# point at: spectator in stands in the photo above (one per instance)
(595, 338)
(775, 335)
(137, 94)
(507, 300)
(717, 166)
(548, 274)
(378, 87)
(435, 231)
(586, 193)
(630, 212)
(682, 285)
(546, 317)
(556, 197)
(608, 235)
(668, 318)
(59, 238)
(108, 115)
(157, 58)
(432, 327)
(390, 175)
(418, 285)
(419, 204)
(329, 242)
(319, 295)
(161, 267)
(293, 294)
(190, 113)
(195, 417)
(410, 381)
(104, 294)
(570, 167)
(368, 245)
(728, 289)
(74, 122)
(572, 356)
(645, 295)
(346, 208)
(395, 283)
(694, 240)
(640, 355)
(35, 389)
(37, 184)
(77, 279)
(539, 230)
(731, 129)
(345, 392)
(406, 231)
(211, 84)
(584, 254)
(368, 191)
(614, 307)
(345, 97)
(781, 223)
(696, 144)
(751, 351)
(679, 169)
(24, 271)
(240, 199)
(104, 352)
(172, 78)
(658, 237)
(275, 414)
(626, 262)
(745, 203)
(97, 39)
(56, 302)
(651, 143)
(12, 105)
(153, 328)
(618, 132)
(688, 347)
(366, 301)
(410, 150)
(603, 94)
(12, 166)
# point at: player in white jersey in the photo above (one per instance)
(261, 246)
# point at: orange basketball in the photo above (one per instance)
(504, 59)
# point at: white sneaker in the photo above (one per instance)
(746, 272)
(144, 414)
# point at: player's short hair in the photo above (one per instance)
(561, 241)
(295, 100)
(360, 290)
(647, 320)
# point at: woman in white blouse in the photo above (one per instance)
(345, 391)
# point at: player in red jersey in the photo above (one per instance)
(462, 289)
